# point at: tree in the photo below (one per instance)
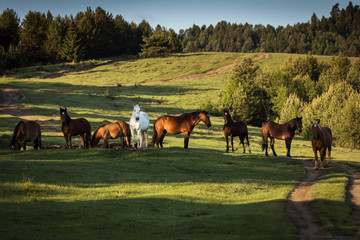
(55, 35)
(33, 36)
(156, 45)
(9, 28)
(71, 49)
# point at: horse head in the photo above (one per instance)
(226, 116)
(14, 145)
(315, 129)
(205, 117)
(136, 111)
(63, 114)
(298, 124)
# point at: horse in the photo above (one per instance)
(73, 127)
(184, 123)
(284, 131)
(139, 122)
(111, 131)
(234, 129)
(26, 132)
(321, 140)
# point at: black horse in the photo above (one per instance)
(234, 129)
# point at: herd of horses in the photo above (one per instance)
(185, 123)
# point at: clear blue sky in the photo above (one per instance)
(182, 14)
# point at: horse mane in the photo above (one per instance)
(16, 131)
(195, 115)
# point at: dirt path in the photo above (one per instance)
(298, 209)
(298, 203)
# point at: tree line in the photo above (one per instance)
(336, 34)
(43, 38)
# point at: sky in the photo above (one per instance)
(182, 14)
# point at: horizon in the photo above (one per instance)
(178, 15)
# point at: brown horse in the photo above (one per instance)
(234, 129)
(284, 131)
(73, 127)
(321, 140)
(111, 131)
(26, 132)
(184, 123)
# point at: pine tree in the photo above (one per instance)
(71, 49)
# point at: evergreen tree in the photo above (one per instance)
(71, 49)
(9, 28)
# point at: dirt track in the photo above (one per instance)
(298, 203)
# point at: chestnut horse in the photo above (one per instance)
(111, 131)
(73, 127)
(321, 140)
(26, 132)
(234, 129)
(284, 131)
(184, 123)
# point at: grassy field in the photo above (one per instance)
(170, 193)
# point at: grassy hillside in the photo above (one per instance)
(168, 193)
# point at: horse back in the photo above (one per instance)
(326, 135)
(79, 126)
(276, 130)
(174, 124)
(31, 130)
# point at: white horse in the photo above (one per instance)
(139, 121)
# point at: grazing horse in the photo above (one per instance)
(111, 131)
(234, 129)
(73, 127)
(184, 123)
(26, 132)
(321, 140)
(284, 131)
(139, 122)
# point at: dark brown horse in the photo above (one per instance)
(184, 123)
(73, 127)
(321, 140)
(111, 131)
(234, 129)
(26, 132)
(284, 131)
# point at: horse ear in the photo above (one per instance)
(318, 120)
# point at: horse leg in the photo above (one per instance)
(265, 144)
(82, 141)
(248, 143)
(322, 156)
(132, 136)
(232, 143)
(24, 146)
(329, 153)
(162, 136)
(106, 143)
(272, 143)
(242, 142)
(288, 146)
(316, 159)
(186, 139)
(139, 139)
(146, 138)
(68, 141)
(227, 143)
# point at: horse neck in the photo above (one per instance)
(67, 120)
(229, 120)
(195, 119)
(16, 132)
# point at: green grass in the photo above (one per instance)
(330, 205)
(168, 193)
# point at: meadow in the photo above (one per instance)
(169, 193)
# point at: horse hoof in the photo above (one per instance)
(316, 168)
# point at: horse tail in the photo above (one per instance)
(154, 136)
(263, 142)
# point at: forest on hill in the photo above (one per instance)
(44, 38)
